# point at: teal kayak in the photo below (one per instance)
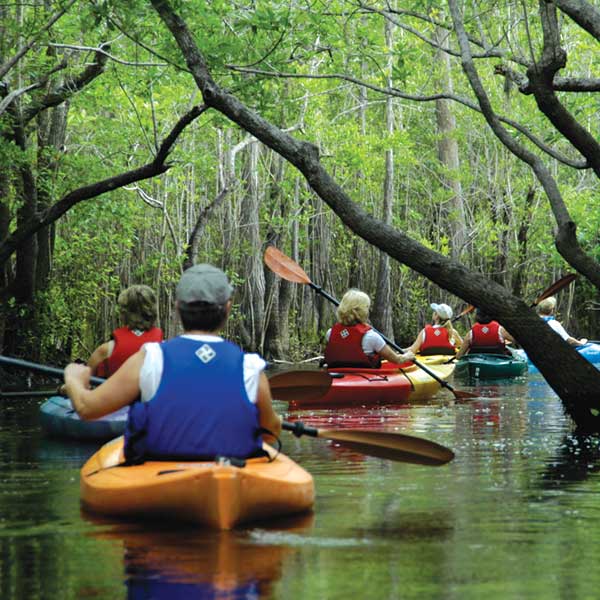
(490, 366)
(58, 418)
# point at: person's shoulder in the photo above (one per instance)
(254, 361)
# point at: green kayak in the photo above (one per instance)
(490, 366)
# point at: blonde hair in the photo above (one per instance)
(354, 308)
(547, 306)
(137, 306)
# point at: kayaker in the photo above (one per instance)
(440, 337)
(352, 342)
(137, 307)
(547, 310)
(196, 396)
(485, 337)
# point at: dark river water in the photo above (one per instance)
(515, 515)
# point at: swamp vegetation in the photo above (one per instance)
(421, 151)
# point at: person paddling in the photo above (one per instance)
(439, 337)
(486, 336)
(547, 310)
(196, 396)
(137, 307)
(352, 342)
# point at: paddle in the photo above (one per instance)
(466, 311)
(383, 444)
(289, 270)
(289, 385)
(555, 287)
(30, 394)
(300, 385)
(394, 446)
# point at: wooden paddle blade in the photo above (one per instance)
(284, 266)
(555, 287)
(390, 445)
(299, 385)
(466, 311)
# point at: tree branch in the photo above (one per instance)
(7, 66)
(583, 13)
(57, 210)
(67, 89)
(541, 75)
(575, 164)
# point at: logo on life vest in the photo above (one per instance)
(205, 353)
(437, 332)
(485, 329)
(344, 333)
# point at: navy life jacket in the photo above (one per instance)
(200, 409)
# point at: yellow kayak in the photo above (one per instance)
(216, 495)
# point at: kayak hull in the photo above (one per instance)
(217, 496)
(590, 351)
(391, 384)
(58, 418)
(490, 366)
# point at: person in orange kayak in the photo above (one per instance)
(352, 342)
(486, 336)
(137, 306)
(196, 396)
(439, 337)
(547, 310)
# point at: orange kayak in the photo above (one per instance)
(212, 494)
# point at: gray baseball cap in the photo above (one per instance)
(203, 283)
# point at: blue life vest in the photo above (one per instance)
(201, 408)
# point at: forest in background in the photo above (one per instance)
(102, 86)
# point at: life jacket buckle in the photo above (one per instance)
(227, 461)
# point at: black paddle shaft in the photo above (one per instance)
(395, 346)
(30, 366)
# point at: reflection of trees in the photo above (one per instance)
(577, 457)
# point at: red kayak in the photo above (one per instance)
(391, 384)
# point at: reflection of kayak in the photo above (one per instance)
(58, 418)
(590, 352)
(185, 563)
(391, 384)
(218, 495)
(490, 366)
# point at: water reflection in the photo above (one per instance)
(173, 562)
(576, 458)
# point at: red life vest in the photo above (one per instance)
(437, 341)
(127, 342)
(485, 337)
(344, 348)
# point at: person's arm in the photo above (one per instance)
(466, 344)
(416, 345)
(506, 336)
(267, 417)
(389, 354)
(99, 355)
(558, 328)
(116, 392)
(456, 337)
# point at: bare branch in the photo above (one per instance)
(100, 50)
(576, 164)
